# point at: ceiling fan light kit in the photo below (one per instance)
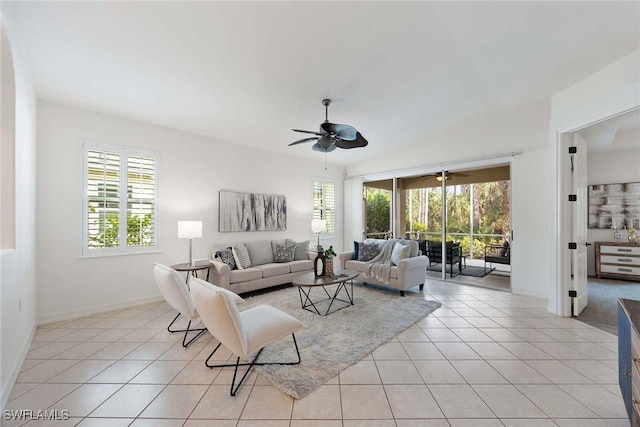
(332, 135)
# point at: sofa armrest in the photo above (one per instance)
(219, 274)
(412, 271)
(419, 261)
(344, 257)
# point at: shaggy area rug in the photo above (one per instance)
(329, 344)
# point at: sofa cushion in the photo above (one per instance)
(400, 252)
(260, 252)
(302, 249)
(356, 249)
(354, 265)
(301, 265)
(226, 256)
(368, 251)
(275, 243)
(414, 246)
(251, 273)
(241, 256)
(273, 269)
(284, 253)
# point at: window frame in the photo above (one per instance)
(122, 249)
(330, 224)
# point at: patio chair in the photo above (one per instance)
(243, 333)
(453, 255)
(176, 292)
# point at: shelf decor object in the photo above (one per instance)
(190, 230)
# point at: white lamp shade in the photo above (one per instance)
(189, 229)
(318, 225)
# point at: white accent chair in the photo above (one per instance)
(176, 292)
(243, 333)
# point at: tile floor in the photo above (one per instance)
(486, 358)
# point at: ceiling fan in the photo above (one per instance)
(447, 175)
(332, 135)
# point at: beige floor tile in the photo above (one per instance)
(267, 402)
(422, 423)
(456, 322)
(507, 402)
(413, 334)
(20, 389)
(478, 372)
(178, 352)
(594, 350)
(501, 334)
(316, 423)
(554, 401)
(140, 335)
(82, 371)
(585, 423)
(175, 401)
(120, 372)
(82, 335)
(148, 351)
(105, 422)
(456, 350)
(51, 334)
(83, 400)
(422, 351)
(45, 370)
(364, 402)
(30, 363)
(412, 401)
(49, 350)
(518, 372)
(594, 370)
(530, 422)
(471, 422)
(598, 399)
(390, 351)
(110, 335)
(195, 372)
(159, 372)
(363, 372)
(263, 423)
(560, 350)
(441, 335)
(217, 404)
(459, 401)
(491, 350)
(210, 423)
(398, 372)
(154, 422)
(438, 372)
(470, 334)
(41, 397)
(525, 350)
(82, 350)
(558, 372)
(321, 404)
(128, 402)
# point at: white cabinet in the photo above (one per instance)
(617, 260)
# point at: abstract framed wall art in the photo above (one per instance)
(251, 212)
(614, 206)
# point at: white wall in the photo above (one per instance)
(17, 266)
(521, 129)
(610, 167)
(611, 91)
(192, 169)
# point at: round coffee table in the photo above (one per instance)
(308, 281)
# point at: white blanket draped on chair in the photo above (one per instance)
(379, 267)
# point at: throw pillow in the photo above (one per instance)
(505, 248)
(226, 256)
(399, 252)
(241, 256)
(368, 251)
(356, 249)
(302, 249)
(284, 253)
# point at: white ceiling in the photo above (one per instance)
(248, 72)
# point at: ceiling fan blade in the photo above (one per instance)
(300, 141)
(344, 132)
(357, 143)
(308, 131)
(318, 147)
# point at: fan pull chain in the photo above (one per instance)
(325, 161)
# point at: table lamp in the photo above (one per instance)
(318, 226)
(190, 230)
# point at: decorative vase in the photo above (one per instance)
(329, 267)
(320, 259)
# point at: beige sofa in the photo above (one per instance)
(264, 272)
(409, 273)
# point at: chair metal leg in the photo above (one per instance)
(186, 343)
(234, 386)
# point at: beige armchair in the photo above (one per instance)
(243, 333)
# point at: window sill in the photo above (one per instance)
(101, 254)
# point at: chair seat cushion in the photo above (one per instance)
(302, 265)
(274, 269)
(251, 273)
(265, 324)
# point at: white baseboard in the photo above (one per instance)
(7, 387)
(74, 314)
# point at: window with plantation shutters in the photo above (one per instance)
(119, 205)
(324, 203)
